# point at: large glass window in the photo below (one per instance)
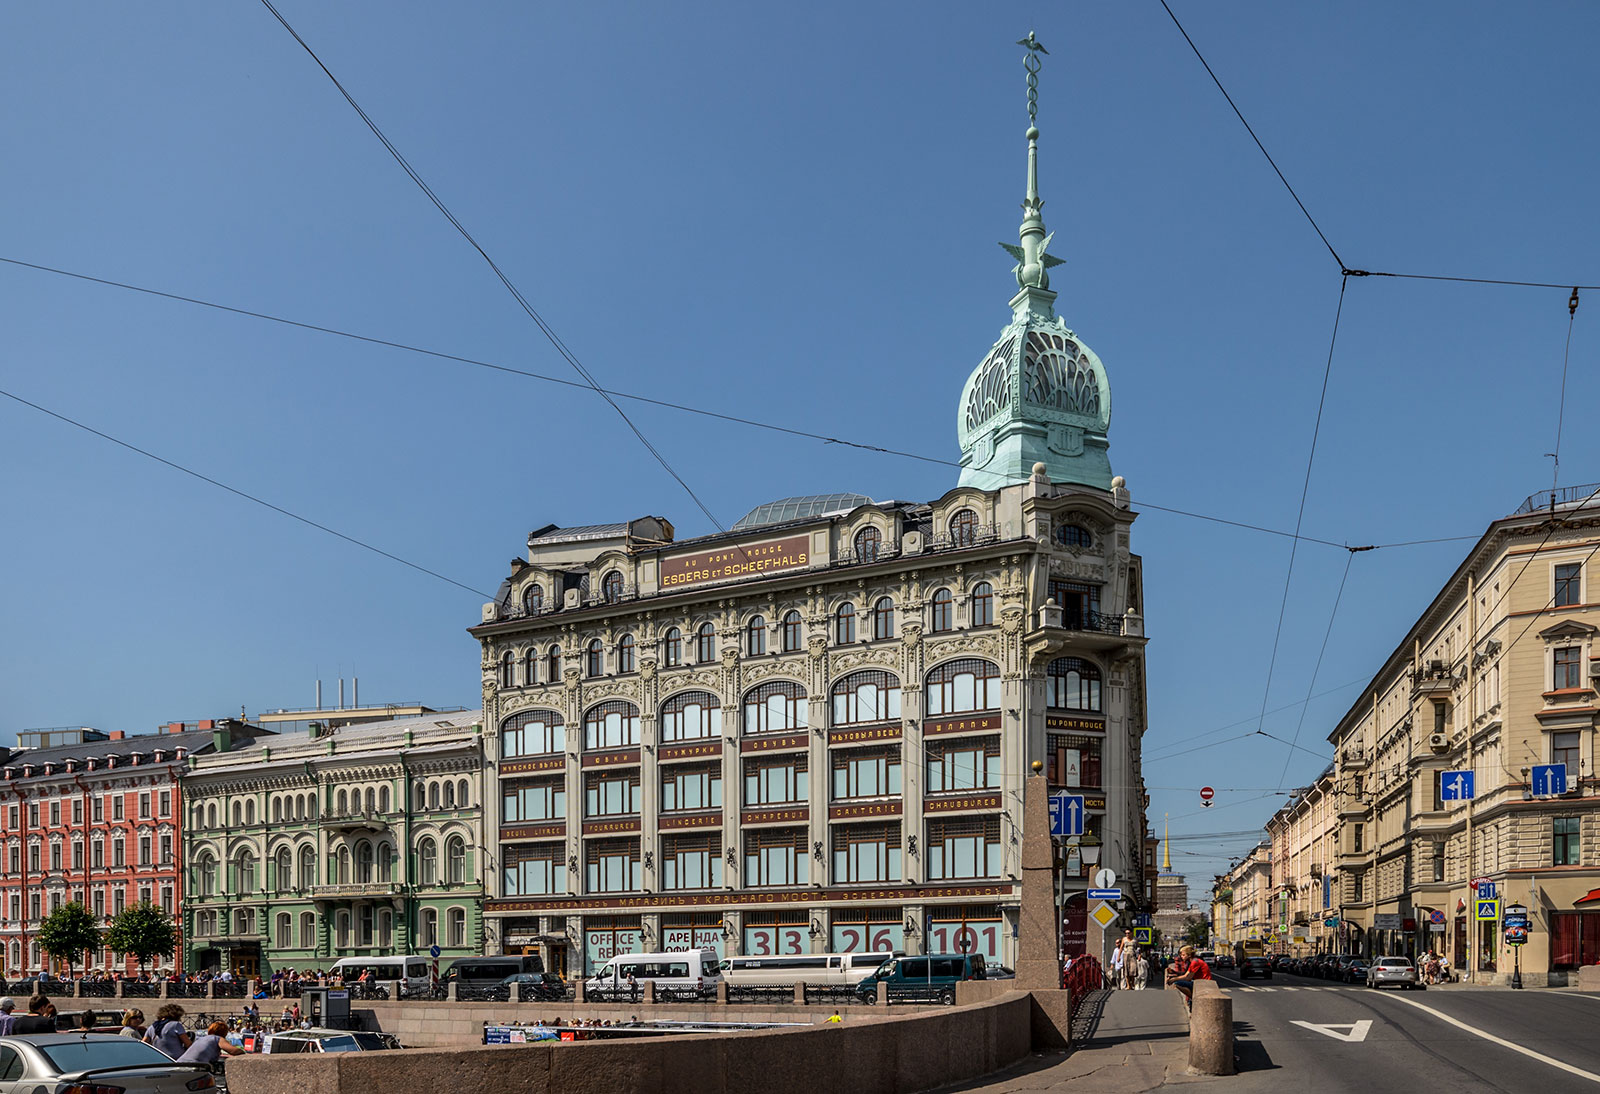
(691, 787)
(532, 733)
(609, 794)
(691, 716)
(1567, 672)
(844, 624)
(791, 632)
(963, 687)
(777, 780)
(755, 636)
(942, 611)
(672, 648)
(691, 862)
(971, 763)
(1071, 683)
(866, 773)
(1072, 761)
(775, 856)
(1568, 584)
(612, 866)
(534, 800)
(868, 543)
(866, 852)
(534, 870)
(778, 707)
(613, 724)
(964, 528)
(963, 848)
(865, 697)
(705, 644)
(1565, 831)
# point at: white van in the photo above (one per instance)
(682, 970)
(822, 969)
(413, 971)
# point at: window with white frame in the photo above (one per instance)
(1568, 584)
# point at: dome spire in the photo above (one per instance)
(1031, 256)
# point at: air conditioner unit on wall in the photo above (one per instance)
(1439, 742)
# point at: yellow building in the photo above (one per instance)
(1304, 904)
(1470, 755)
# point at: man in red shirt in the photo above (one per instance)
(1185, 971)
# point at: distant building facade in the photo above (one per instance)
(1305, 916)
(362, 840)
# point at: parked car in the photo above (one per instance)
(1356, 971)
(1256, 966)
(92, 1061)
(1392, 970)
(935, 974)
(469, 973)
(327, 1040)
(1224, 961)
(531, 987)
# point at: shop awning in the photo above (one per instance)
(1591, 897)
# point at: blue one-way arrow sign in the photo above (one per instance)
(1066, 814)
(1456, 786)
(1550, 779)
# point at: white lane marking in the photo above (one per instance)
(1501, 1041)
(1353, 1031)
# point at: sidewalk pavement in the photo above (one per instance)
(1125, 1042)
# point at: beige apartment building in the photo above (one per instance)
(1302, 907)
(1246, 897)
(1443, 768)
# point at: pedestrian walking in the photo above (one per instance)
(1141, 975)
(1117, 958)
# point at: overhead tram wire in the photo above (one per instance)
(544, 327)
(1250, 718)
(753, 423)
(1317, 668)
(245, 495)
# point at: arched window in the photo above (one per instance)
(594, 658)
(964, 528)
(691, 716)
(433, 796)
(211, 815)
(385, 857)
(244, 873)
(1072, 684)
(461, 794)
(250, 812)
(430, 927)
(611, 587)
(553, 666)
(613, 724)
(864, 697)
(427, 862)
(283, 866)
(383, 799)
(422, 796)
(455, 858)
(533, 599)
(371, 801)
(776, 707)
(883, 618)
(277, 810)
(755, 636)
(307, 877)
(983, 604)
(449, 794)
(532, 733)
(868, 541)
(456, 922)
(791, 632)
(508, 670)
(308, 930)
(963, 687)
(705, 644)
(281, 931)
(530, 666)
(844, 624)
(672, 648)
(344, 805)
(364, 863)
(1073, 535)
(342, 864)
(238, 815)
(341, 928)
(942, 611)
(626, 661)
(207, 871)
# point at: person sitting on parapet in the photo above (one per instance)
(1182, 973)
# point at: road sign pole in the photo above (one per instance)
(1471, 927)
(1516, 968)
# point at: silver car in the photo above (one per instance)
(1392, 970)
(52, 1063)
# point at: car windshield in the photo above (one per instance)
(97, 1052)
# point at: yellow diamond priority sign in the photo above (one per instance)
(1103, 914)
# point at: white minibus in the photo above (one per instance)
(822, 969)
(412, 970)
(681, 970)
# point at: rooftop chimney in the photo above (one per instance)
(117, 735)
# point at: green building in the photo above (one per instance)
(362, 840)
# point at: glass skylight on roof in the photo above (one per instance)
(809, 505)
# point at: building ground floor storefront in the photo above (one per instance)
(576, 935)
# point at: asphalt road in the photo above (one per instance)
(1412, 1042)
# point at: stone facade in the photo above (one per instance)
(1303, 889)
(364, 840)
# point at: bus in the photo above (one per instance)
(839, 969)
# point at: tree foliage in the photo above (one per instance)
(67, 932)
(1196, 931)
(143, 930)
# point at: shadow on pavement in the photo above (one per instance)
(1250, 1055)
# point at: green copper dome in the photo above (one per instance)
(1040, 395)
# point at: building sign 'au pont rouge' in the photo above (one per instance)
(744, 560)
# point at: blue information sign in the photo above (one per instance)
(1550, 778)
(1066, 814)
(1456, 786)
(433, 951)
(1105, 894)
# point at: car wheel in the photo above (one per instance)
(947, 997)
(870, 1000)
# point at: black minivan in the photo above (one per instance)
(935, 975)
(475, 973)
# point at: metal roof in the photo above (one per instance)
(808, 505)
(582, 532)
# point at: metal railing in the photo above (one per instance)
(1552, 499)
(186, 990)
(228, 989)
(140, 989)
(1091, 621)
(776, 994)
(96, 989)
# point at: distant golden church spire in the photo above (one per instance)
(1166, 845)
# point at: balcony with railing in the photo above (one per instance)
(357, 890)
(355, 820)
(1576, 497)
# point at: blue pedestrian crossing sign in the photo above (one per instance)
(1550, 778)
(1488, 910)
(1066, 814)
(1141, 936)
(1456, 786)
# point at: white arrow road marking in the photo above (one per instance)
(1502, 1042)
(1353, 1031)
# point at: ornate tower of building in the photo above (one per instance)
(1040, 395)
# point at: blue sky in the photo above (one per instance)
(788, 213)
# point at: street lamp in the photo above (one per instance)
(1089, 848)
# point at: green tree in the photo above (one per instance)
(67, 932)
(1196, 932)
(143, 930)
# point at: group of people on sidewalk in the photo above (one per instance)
(1130, 964)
